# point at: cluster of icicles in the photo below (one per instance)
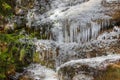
(84, 34)
(71, 29)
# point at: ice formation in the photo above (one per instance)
(38, 72)
(98, 62)
(73, 20)
(75, 27)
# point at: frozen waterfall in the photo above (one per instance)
(73, 20)
(74, 29)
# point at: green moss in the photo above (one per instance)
(10, 37)
(36, 58)
(16, 53)
(22, 54)
(2, 76)
(6, 7)
(6, 60)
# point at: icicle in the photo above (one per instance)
(87, 34)
(65, 34)
(18, 2)
(48, 53)
(71, 34)
(102, 26)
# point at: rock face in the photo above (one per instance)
(80, 43)
(81, 62)
(59, 53)
(87, 68)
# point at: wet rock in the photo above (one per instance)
(15, 77)
(90, 66)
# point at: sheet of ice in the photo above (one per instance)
(114, 34)
(112, 1)
(97, 62)
(38, 72)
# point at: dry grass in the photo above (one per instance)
(112, 73)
